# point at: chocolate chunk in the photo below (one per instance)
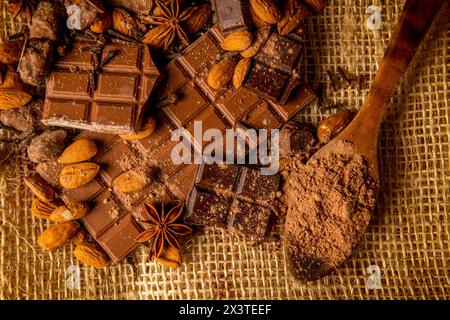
(233, 197)
(136, 6)
(48, 20)
(47, 146)
(26, 118)
(90, 11)
(112, 100)
(296, 138)
(233, 15)
(49, 171)
(274, 73)
(36, 61)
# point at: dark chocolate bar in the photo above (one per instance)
(233, 15)
(112, 100)
(233, 197)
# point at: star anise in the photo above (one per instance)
(163, 228)
(25, 7)
(168, 24)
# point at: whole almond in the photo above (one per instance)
(42, 209)
(129, 181)
(91, 254)
(10, 51)
(256, 20)
(198, 18)
(334, 124)
(79, 151)
(241, 72)
(260, 36)
(170, 257)
(79, 237)
(157, 37)
(12, 81)
(124, 23)
(316, 6)
(40, 188)
(221, 73)
(147, 129)
(13, 98)
(293, 16)
(103, 24)
(57, 235)
(237, 41)
(71, 212)
(266, 10)
(79, 174)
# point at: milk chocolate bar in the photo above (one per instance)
(233, 197)
(233, 15)
(111, 98)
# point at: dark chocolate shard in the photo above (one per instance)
(233, 15)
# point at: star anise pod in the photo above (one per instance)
(163, 228)
(25, 7)
(168, 25)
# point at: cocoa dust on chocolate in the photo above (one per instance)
(329, 202)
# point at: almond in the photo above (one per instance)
(241, 71)
(79, 151)
(79, 237)
(221, 73)
(316, 6)
(70, 212)
(12, 81)
(91, 254)
(293, 16)
(79, 174)
(237, 41)
(57, 235)
(198, 18)
(40, 188)
(147, 129)
(13, 98)
(157, 37)
(103, 24)
(266, 10)
(10, 51)
(42, 209)
(129, 181)
(124, 23)
(333, 125)
(261, 36)
(170, 257)
(256, 20)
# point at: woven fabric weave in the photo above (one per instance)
(408, 240)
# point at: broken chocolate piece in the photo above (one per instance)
(48, 21)
(36, 61)
(233, 15)
(295, 138)
(47, 146)
(89, 11)
(26, 118)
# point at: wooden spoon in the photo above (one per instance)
(363, 131)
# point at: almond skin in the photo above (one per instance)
(199, 17)
(13, 98)
(57, 235)
(79, 237)
(221, 73)
(10, 51)
(103, 24)
(40, 188)
(79, 174)
(237, 41)
(128, 181)
(79, 151)
(147, 129)
(266, 10)
(71, 212)
(42, 209)
(157, 37)
(334, 124)
(91, 254)
(241, 72)
(260, 37)
(256, 20)
(124, 23)
(293, 16)
(170, 257)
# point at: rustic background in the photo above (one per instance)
(408, 239)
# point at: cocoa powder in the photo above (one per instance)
(329, 203)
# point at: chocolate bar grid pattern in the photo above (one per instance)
(233, 197)
(238, 106)
(123, 87)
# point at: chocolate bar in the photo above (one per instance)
(112, 100)
(233, 197)
(233, 15)
(115, 217)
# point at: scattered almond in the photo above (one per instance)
(57, 235)
(170, 257)
(261, 36)
(256, 20)
(91, 254)
(124, 23)
(241, 72)
(221, 73)
(334, 124)
(157, 37)
(10, 51)
(13, 98)
(12, 81)
(70, 212)
(198, 18)
(79, 237)
(266, 10)
(79, 151)
(103, 24)
(79, 174)
(147, 129)
(128, 181)
(293, 16)
(40, 188)
(42, 209)
(237, 41)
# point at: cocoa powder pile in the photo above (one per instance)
(329, 203)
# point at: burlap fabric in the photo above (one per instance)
(408, 240)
